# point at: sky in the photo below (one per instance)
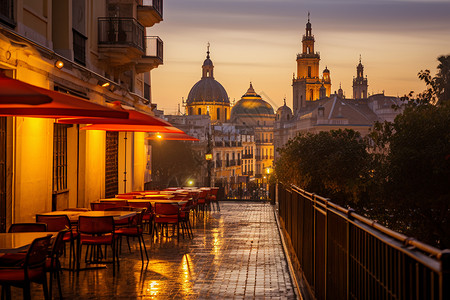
(258, 40)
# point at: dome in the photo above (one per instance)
(284, 113)
(208, 62)
(251, 104)
(207, 90)
(326, 70)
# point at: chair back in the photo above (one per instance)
(95, 225)
(54, 222)
(28, 227)
(146, 205)
(37, 253)
(98, 206)
(166, 209)
(58, 246)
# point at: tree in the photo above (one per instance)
(331, 163)
(174, 162)
(413, 171)
(438, 87)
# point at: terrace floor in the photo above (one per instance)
(235, 254)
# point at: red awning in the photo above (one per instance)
(172, 137)
(134, 118)
(14, 91)
(136, 122)
(62, 106)
(132, 128)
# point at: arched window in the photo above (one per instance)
(218, 113)
(309, 71)
(307, 50)
(199, 111)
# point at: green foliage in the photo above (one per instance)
(174, 162)
(332, 163)
(413, 173)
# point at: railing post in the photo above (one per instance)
(445, 264)
(350, 217)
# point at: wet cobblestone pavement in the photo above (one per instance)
(235, 254)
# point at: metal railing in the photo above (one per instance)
(154, 47)
(156, 4)
(121, 31)
(342, 255)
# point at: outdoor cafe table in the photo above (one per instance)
(74, 215)
(18, 241)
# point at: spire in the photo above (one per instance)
(250, 91)
(360, 58)
(208, 67)
(308, 16)
(284, 100)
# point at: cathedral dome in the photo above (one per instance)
(207, 90)
(251, 104)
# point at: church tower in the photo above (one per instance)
(306, 85)
(360, 83)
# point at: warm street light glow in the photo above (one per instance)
(208, 156)
(59, 64)
(106, 84)
(191, 182)
(267, 171)
(158, 136)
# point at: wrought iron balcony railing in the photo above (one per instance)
(154, 47)
(121, 32)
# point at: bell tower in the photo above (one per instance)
(306, 85)
(360, 83)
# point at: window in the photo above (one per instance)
(218, 113)
(199, 111)
(79, 47)
(307, 50)
(311, 91)
(7, 12)
(309, 71)
(59, 158)
(191, 111)
(112, 164)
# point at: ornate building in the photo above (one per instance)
(97, 50)
(208, 96)
(252, 112)
(316, 110)
(307, 85)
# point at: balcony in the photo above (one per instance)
(120, 40)
(153, 54)
(150, 12)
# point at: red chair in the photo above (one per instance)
(165, 214)
(97, 231)
(214, 197)
(135, 229)
(28, 227)
(82, 209)
(58, 223)
(147, 218)
(32, 270)
(53, 264)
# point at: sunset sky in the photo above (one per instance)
(258, 40)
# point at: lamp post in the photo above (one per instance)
(268, 171)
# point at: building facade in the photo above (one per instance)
(97, 50)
